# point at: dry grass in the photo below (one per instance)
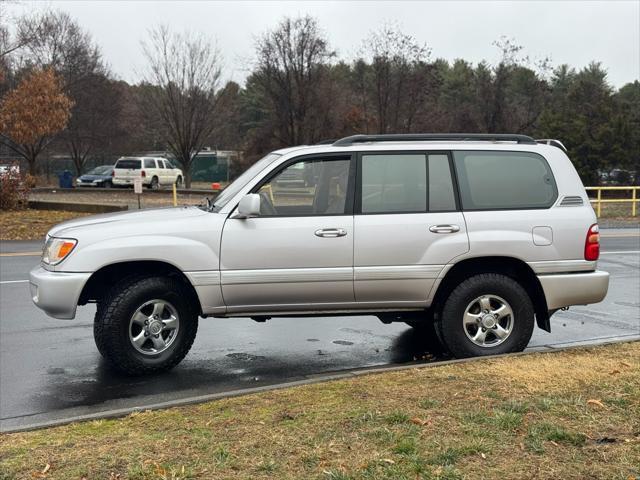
(520, 417)
(31, 224)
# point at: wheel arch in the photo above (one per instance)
(107, 276)
(508, 266)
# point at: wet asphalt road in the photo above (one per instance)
(50, 369)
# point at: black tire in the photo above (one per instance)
(452, 331)
(154, 184)
(179, 182)
(107, 184)
(113, 314)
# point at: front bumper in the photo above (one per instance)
(564, 290)
(57, 293)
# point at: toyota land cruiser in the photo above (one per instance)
(470, 238)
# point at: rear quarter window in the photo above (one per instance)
(504, 180)
(149, 163)
(134, 164)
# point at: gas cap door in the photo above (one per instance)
(542, 236)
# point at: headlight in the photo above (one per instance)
(57, 249)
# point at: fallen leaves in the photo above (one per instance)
(32, 224)
(593, 401)
(420, 421)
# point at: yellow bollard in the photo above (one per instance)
(599, 209)
(175, 196)
(633, 202)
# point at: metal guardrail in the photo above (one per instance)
(598, 201)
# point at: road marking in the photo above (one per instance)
(21, 254)
(620, 252)
(14, 281)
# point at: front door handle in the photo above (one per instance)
(331, 232)
(444, 228)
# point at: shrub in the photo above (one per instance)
(14, 190)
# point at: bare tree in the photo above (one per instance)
(291, 66)
(397, 77)
(94, 125)
(59, 42)
(184, 74)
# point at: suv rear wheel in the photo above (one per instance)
(145, 325)
(487, 314)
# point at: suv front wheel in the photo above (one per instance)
(487, 314)
(145, 325)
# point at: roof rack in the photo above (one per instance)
(551, 141)
(434, 137)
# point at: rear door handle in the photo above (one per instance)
(331, 232)
(444, 228)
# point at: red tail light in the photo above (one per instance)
(592, 243)
(143, 174)
(113, 173)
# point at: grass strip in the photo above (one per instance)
(571, 414)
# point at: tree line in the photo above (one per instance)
(298, 91)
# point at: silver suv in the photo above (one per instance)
(472, 239)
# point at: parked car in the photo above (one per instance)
(473, 239)
(9, 170)
(98, 177)
(155, 172)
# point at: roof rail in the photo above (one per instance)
(433, 137)
(328, 141)
(551, 141)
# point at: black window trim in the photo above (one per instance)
(349, 201)
(506, 209)
(426, 153)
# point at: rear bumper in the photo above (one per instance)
(128, 181)
(568, 289)
(57, 293)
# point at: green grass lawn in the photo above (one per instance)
(562, 415)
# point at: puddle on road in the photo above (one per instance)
(342, 342)
(245, 357)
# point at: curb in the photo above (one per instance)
(310, 380)
(76, 207)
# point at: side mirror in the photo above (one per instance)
(249, 206)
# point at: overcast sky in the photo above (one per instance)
(573, 32)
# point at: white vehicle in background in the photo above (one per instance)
(154, 172)
(9, 170)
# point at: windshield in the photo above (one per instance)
(102, 170)
(128, 163)
(240, 182)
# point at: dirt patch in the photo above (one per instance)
(32, 224)
(570, 415)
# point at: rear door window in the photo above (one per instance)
(504, 180)
(149, 163)
(128, 164)
(393, 183)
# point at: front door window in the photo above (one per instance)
(309, 187)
